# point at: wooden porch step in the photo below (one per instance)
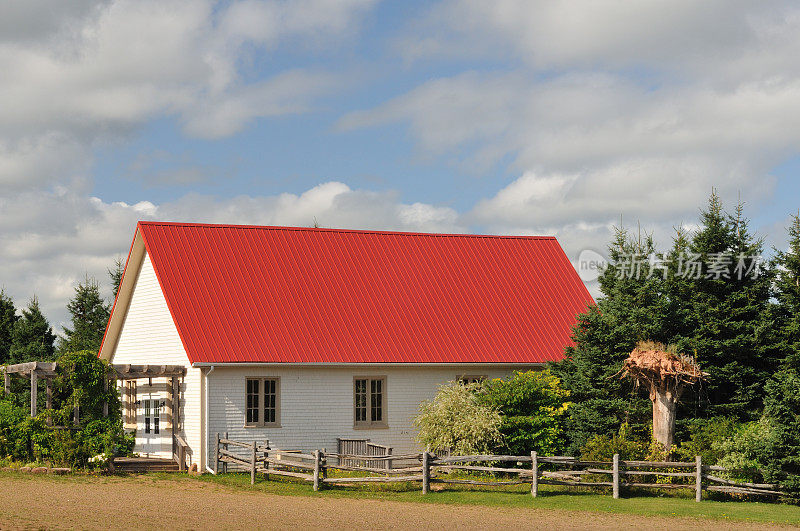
(144, 464)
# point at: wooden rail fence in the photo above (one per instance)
(427, 468)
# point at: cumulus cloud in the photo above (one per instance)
(89, 71)
(604, 108)
(78, 75)
(50, 240)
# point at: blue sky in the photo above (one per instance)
(512, 117)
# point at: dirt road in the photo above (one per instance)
(156, 503)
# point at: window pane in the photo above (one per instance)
(270, 400)
(252, 401)
(377, 400)
(361, 400)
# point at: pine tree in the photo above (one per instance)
(115, 275)
(32, 338)
(89, 318)
(8, 316)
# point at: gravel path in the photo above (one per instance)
(142, 502)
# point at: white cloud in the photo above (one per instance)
(50, 240)
(78, 75)
(287, 93)
(94, 71)
(677, 35)
(603, 109)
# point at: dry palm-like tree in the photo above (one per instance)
(667, 374)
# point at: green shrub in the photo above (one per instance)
(532, 405)
(456, 421)
(603, 447)
(768, 450)
(80, 381)
(705, 436)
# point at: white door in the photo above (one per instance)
(149, 433)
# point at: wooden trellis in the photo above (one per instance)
(38, 370)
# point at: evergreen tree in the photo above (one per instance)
(32, 338)
(89, 318)
(115, 275)
(629, 311)
(707, 295)
(786, 310)
(8, 316)
(730, 302)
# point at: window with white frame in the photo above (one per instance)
(262, 402)
(369, 402)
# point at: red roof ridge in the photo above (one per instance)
(343, 230)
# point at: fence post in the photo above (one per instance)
(316, 470)
(266, 461)
(216, 455)
(534, 474)
(253, 465)
(426, 472)
(615, 478)
(323, 459)
(698, 485)
(225, 447)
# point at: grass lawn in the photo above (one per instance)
(550, 497)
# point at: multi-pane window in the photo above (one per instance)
(262, 402)
(369, 402)
(152, 416)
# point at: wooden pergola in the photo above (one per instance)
(36, 370)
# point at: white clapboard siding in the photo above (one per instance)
(149, 336)
(316, 403)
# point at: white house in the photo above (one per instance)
(302, 336)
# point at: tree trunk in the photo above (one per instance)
(664, 409)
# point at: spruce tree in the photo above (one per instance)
(32, 338)
(707, 296)
(786, 310)
(8, 316)
(89, 318)
(782, 392)
(629, 311)
(729, 308)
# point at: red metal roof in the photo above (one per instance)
(302, 295)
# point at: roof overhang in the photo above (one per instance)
(120, 309)
(386, 364)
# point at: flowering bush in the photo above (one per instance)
(456, 421)
(98, 461)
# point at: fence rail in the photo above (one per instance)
(564, 471)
